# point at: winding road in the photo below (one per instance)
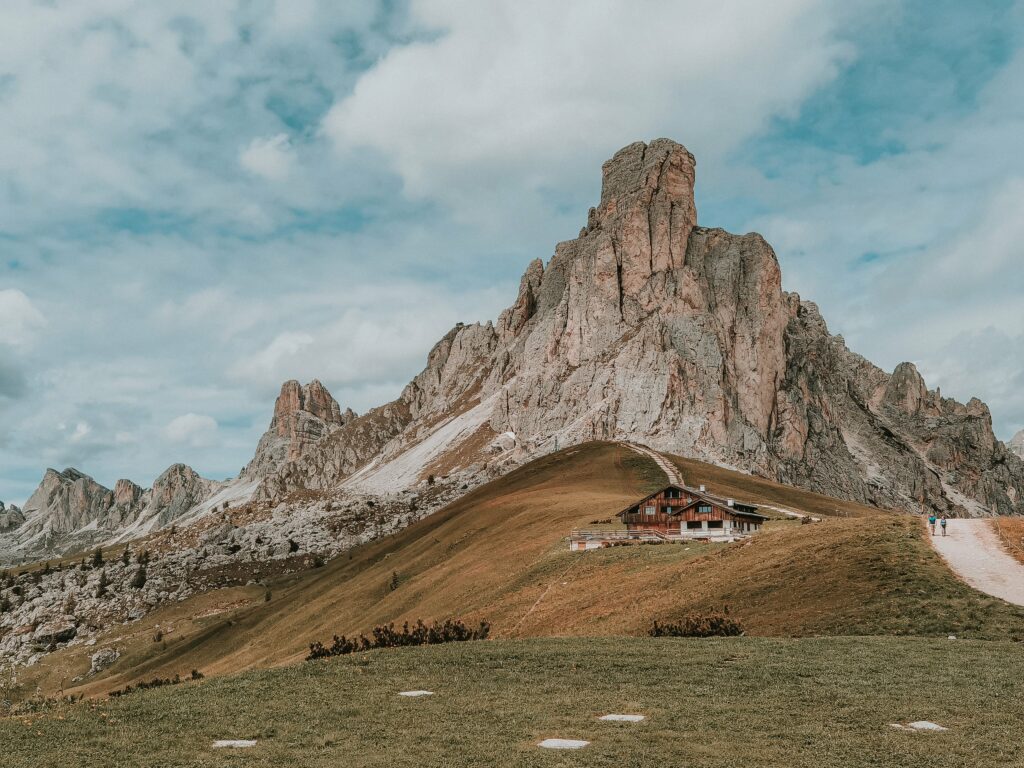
(973, 551)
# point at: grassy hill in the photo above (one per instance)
(779, 703)
(499, 554)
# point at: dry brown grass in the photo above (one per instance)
(726, 482)
(500, 554)
(1011, 531)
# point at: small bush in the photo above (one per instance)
(156, 682)
(386, 636)
(710, 625)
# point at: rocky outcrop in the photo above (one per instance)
(1016, 443)
(10, 517)
(650, 328)
(303, 416)
(174, 493)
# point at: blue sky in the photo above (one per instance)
(199, 202)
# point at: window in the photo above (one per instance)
(704, 509)
(714, 523)
(672, 493)
(668, 510)
(693, 525)
(648, 510)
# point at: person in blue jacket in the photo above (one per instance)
(931, 523)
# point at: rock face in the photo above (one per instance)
(303, 416)
(66, 501)
(174, 493)
(1016, 443)
(647, 327)
(10, 517)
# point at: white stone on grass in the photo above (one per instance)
(622, 718)
(919, 725)
(563, 744)
(416, 694)
(233, 744)
(925, 725)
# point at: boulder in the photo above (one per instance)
(103, 659)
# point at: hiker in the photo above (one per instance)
(931, 523)
(943, 524)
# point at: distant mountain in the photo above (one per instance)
(70, 511)
(1016, 443)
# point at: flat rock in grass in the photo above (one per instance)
(925, 725)
(563, 744)
(234, 744)
(919, 725)
(622, 718)
(415, 694)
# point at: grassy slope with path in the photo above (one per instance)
(815, 702)
(493, 554)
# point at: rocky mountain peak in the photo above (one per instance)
(126, 493)
(647, 198)
(313, 398)
(906, 389)
(1017, 443)
(10, 517)
(303, 415)
(649, 328)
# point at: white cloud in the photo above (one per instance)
(531, 95)
(19, 319)
(270, 158)
(191, 429)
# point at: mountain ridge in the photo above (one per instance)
(646, 327)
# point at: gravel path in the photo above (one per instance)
(674, 477)
(974, 552)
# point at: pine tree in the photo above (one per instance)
(97, 558)
(101, 587)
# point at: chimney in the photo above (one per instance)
(731, 503)
(703, 489)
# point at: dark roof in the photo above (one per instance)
(738, 507)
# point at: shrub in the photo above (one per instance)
(386, 636)
(710, 625)
(97, 558)
(156, 682)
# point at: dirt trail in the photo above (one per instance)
(674, 476)
(973, 551)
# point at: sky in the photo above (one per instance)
(201, 200)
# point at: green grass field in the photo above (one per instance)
(816, 702)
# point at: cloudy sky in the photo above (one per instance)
(200, 200)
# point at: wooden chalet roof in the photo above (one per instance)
(738, 507)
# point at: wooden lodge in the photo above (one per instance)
(677, 513)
